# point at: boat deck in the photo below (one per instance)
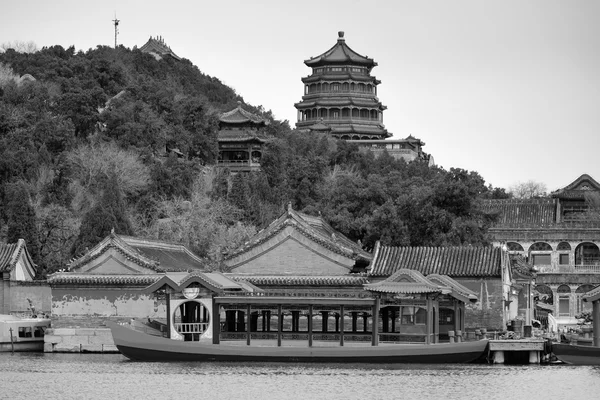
(315, 343)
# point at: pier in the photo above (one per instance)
(499, 348)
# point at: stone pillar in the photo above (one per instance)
(534, 357)
(498, 357)
(451, 336)
(375, 328)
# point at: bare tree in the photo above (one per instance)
(19, 46)
(92, 164)
(528, 190)
(7, 75)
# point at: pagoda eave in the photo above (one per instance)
(340, 78)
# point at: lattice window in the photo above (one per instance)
(540, 246)
(512, 246)
(563, 246)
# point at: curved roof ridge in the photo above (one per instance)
(340, 53)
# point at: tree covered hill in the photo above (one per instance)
(85, 149)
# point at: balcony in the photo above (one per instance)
(239, 165)
(568, 269)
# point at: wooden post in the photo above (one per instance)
(279, 324)
(168, 300)
(216, 321)
(310, 325)
(12, 344)
(375, 320)
(436, 321)
(341, 325)
(429, 324)
(248, 324)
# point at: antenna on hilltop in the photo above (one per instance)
(116, 23)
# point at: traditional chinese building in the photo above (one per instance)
(483, 270)
(241, 140)
(343, 94)
(559, 236)
(409, 149)
(158, 48)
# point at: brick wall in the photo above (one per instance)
(105, 302)
(38, 292)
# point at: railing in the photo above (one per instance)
(339, 119)
(568, 269)
(191, 327)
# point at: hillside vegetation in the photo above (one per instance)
(85, 149)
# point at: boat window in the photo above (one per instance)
(25, 331)
(39, 331)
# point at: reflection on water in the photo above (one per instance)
(98, 376)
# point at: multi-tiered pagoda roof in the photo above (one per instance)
(342, 94)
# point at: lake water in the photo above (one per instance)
(112, 376)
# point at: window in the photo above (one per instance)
(336, 69)
(574, 211)
(446, 316)
(564, 294)
(413, 316)
(563, 259)
(541, 259)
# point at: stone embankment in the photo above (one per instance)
(79, 340)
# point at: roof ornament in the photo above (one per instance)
(341, 36)
(289, 207)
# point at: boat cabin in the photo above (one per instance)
(407, 307)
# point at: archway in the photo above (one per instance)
(191, 320)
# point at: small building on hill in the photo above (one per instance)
(241, 140)
(158, 48)
(483, 270)
(559, 236)
(19, 293)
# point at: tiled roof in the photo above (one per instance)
(466, 261)
(170, 256)
(406, 281)
(159, 47)
(214, 280)
(538, 212)
(458, 291)
(297, 280)
(240, 116)
(341, 101)
(340, 53)
(10, 253)
(577, 188)
(315, 228)
(592, 295)
(152, 254)
(73, 278)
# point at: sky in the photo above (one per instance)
(510, 89)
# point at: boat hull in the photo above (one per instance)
(37, 346)
(142, 347)
(576, 355)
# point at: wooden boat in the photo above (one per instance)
(141, 346)
(22, 334)
(576, 354)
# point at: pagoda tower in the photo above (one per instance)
(342, 94)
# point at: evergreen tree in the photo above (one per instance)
(107, 215)
(21, 218)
